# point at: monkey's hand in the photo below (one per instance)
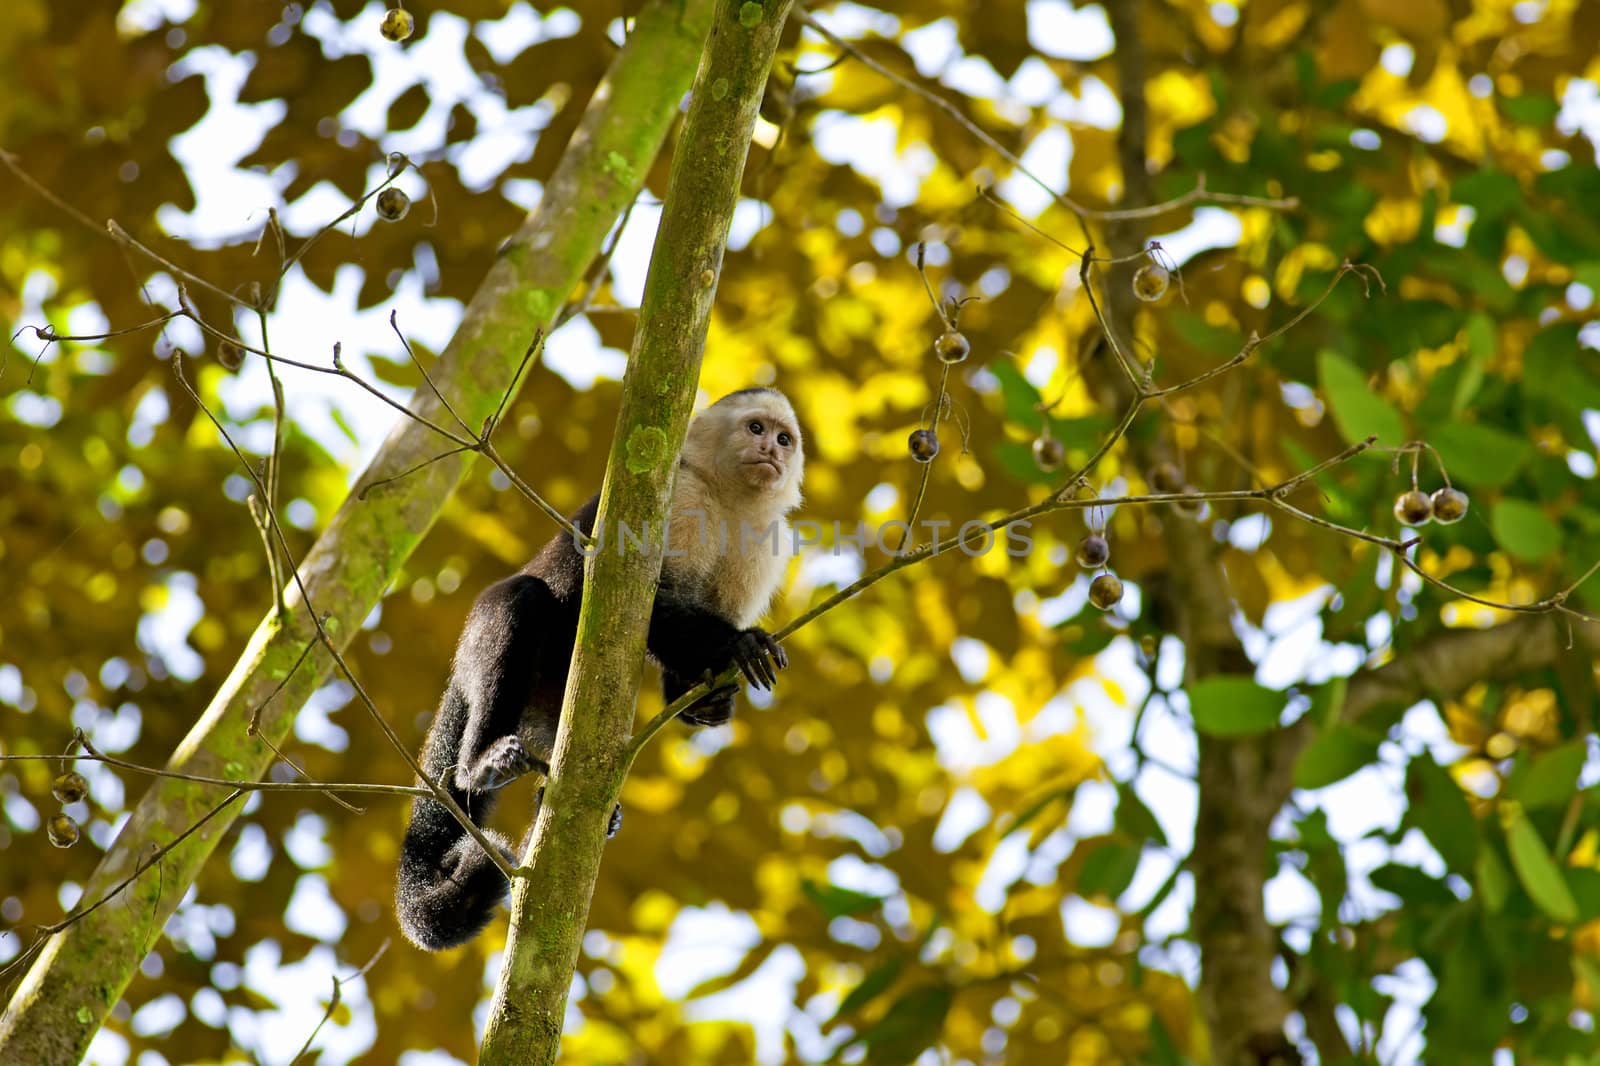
(714, 708)
(758, 657)
(504, 761)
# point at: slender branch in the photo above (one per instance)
(335, 999)
(156, 856)
(439, 792)
(1199, 194)
(372, 788)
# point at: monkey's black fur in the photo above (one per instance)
(497, 720)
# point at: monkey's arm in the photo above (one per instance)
(694, 643)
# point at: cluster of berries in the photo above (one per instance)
(62, 828)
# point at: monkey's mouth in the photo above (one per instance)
(777, 470)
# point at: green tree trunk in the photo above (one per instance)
(550, 902)
(83, 970)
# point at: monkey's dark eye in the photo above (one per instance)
(757, 428)
(785, 440)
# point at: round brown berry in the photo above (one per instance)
(1150, 282)
(397, 24)
(393, 204)
(1093, 551)
(1449, 505)
(1413, 508)
(924, 445)
(69, 787)
(1048, 453)
(62, 830)
(1105, 591)
(1165, 478)
(952, 346)
(230, 355)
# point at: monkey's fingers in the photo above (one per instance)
(779, 656)
(750, 656)
(764, 659)
(751, 668)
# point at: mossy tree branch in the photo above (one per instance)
(83, 969)
(550, 902)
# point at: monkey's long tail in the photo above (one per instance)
(448, 886)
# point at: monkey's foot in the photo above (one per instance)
(759, 657)
(504, 761)
(714, 708)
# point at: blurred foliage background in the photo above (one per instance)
(967, 820)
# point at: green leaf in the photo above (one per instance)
(1327, 702)
(838, 902)
(1479, 455)
(1233, 706)
(1197, 333)
(1163, 1049)
(1482, 340)
(1436, 805)
(912, 1024)
(1017, 392)
(1553, 368)
(1585, 885)
(344, 425)
(1492, 879)
(1413, 886)
(1491, 192)
(1358, 412)
(1538, 872)
(1534, 109)
(1109, 869)
(1524, 530)
(1587, 274)
(1334, 756)
(875, 984)
(1135, 819)
(1551, 779)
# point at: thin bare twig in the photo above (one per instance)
(1199, 194)
(335, 999)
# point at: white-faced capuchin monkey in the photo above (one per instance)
(738, 479)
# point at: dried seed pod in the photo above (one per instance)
(62, 831)
(1449, 505)
(1413, 508)
(924, 445)
(1093, 551)
(1048, 453)
(397, 24)
(230, 355)
(1150, 282)
(69, 787)
(1165, 478)
(1105, 591)
(952, 346)
(392, 204)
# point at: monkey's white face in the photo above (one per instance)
(750, 441)
(762, 445)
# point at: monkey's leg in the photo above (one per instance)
(496, 669)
